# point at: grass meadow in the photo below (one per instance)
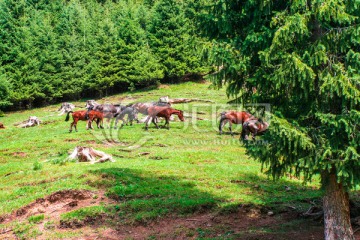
(158, 174)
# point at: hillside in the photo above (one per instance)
(186, 176)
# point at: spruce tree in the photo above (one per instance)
(303, 58)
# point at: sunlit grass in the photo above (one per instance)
(189, 168)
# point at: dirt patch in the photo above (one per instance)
(50, 121)
(19, 154)
(238, 225)
(71, 140)
(163, 86)
(87, 221)
(89, 141)
(160, 145)
(57, 203)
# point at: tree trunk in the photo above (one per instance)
(336, 209)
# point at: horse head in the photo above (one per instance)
(181, 116)
(91, 104)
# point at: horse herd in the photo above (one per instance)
(97, 112)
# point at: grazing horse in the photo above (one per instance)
(132, 115)
(165, 112)
(2, 126)
(84, 115)
(109, 110)
(233, 117)
(255, 127)
(65, 107)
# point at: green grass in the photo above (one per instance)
(36, 218)
(190, 167)
(83, 213)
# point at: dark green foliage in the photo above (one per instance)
(302, 57)
(171, 37)
(62, 50)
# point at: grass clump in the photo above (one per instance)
(26, 231)
(37, 166)
(84, 216)
(36, 218)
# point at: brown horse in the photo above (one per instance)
(143, 107)
(233, 117)
(84, 115)
(2, 126)
(255, 127)
(165, 112)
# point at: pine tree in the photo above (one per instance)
(303, 58)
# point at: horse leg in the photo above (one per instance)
(222, 124)
(167, 123)
(230, 125)
(147, 122)
(71, 126)
(108, 122)
(116, 122)
(101, 122)
(75, 124)
(154, 121)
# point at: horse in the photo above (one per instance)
(165, 112)
(109, 110)
(85, 115)
(233, 117)
(2, 126)
(143, 107)
(255, 127)
(65, 107)
(132, 115)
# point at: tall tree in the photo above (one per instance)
(303, 58)
(171, 40)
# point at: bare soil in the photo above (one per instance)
(247, 222)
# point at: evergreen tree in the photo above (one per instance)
(303, 58)
(170, 39)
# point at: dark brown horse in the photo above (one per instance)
(165, 112)
(233, 117)
(84, 115)
(255, 127)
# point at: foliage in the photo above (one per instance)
(302, 57)
(63, 50)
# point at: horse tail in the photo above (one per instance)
(222, 119)
(68, 116)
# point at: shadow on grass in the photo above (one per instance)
(281, 195)
(143, 196)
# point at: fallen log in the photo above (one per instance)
(187, 100)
